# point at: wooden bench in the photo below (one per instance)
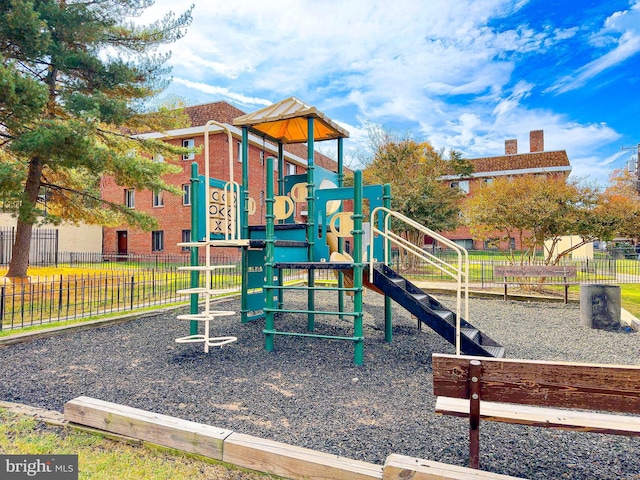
(529, 390)
(523, 274)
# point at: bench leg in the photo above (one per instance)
(475, 370)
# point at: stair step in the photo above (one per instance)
(471, 333)
(446, 315)
(400, 282)
(496, 352)
(421, 297)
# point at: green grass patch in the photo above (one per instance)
(101, 458)
(630, 296)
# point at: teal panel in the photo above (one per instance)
(373, 193)
(217, 211)
(255, 301)
(290, 254)
(255, 258)
(255, 279)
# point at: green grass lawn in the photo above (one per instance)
(101, 458)
(630, 296)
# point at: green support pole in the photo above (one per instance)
(244, 298)
(280, 168)
(340, 239)
(269, 254)
(195, 251)
(280, 192)
(311, 229)
(245, 182)
(358, 332)
(388, 325)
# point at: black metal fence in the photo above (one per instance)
(44, 246)
(125, 283)
(599, 270)
(70, 297)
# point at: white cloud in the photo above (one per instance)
(443, 67)
(622, 29)
(213, 90)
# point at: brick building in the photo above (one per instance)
(174, 212)
(535, 162)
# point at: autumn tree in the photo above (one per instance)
(74, 79)
(539, 209)
(415, 170)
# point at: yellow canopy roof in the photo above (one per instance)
(286, 121)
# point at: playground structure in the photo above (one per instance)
(332, 237)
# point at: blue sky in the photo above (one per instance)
(463, 74)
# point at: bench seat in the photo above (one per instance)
(544, 417)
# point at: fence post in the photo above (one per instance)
(1, 307)
(132, 280)
(60, 297)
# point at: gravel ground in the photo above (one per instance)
(308, 392)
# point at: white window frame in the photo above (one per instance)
(462, 185)
(157, 241)
(158, 199)
(186, 238)
(189, 143)
(158, 158)
(130, 197)
(186, 194)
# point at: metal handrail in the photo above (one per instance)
(459, 273)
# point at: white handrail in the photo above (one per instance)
(459, 273)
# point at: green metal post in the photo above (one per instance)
(340, 239)
(280, 192)
(388, 324)
(244, 297)
(195, 251)
(311, 228)
(245, 182)
(358, 333)
(280, 168)
(269, 257)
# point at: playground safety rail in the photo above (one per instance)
(460, 273)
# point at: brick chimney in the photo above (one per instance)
(536, 140)
(510, 147)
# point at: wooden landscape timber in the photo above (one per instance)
(401, 467)
(262, 455)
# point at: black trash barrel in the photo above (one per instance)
(600, 306)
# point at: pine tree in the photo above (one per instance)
(75, 80)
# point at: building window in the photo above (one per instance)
(512, 243)
(158, 158)
(129, 198)
(186, 194)
(157, 241)
(291, 169)
(240, 152)
(462, 185)
(466, 243)
(188, 143)
(186, 238)
(491, 244)
(158, 199)
(488, 180)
